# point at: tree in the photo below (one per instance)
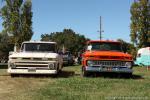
(125, 45)
(17, 20)
(128, 47)
(5, 46)
(68, 38)
(140, 23)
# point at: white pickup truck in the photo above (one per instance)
(35, 57)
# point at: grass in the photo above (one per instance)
(69, 85)
(3, 70)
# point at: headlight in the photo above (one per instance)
(128, 64)
(51, 66)
(90, 63)
(12, 65)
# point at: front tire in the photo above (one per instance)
(128, 75)
(84, 73)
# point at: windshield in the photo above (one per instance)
(39, 47)
(105, 46)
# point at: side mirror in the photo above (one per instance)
(89, 47)
(15, 48)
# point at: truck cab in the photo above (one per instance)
(35, 57)
(106, 56)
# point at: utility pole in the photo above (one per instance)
(100, 31)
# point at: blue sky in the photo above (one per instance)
(83, 17)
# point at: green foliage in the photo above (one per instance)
(5, 45)
(17, 23)
(140, 23)
(68, 38)
(17, 19)
(128, 47)
(125, 45)
(26, 19)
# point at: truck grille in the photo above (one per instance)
(34, 59)
(28, 65)
(25, 64)
(108, 63)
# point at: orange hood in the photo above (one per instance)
(107, 55)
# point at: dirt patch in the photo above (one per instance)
(20, 87)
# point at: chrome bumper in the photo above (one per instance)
(27, 71)
(108, 69)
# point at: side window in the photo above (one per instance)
(139, 55)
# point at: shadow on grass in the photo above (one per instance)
(62, 74)
(116, 76)
(66, 74)
(74, 65)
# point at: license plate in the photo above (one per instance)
(32, 70)
(109, 69)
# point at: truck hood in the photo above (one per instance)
(33, 55)
(113, 55)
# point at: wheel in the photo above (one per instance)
(84, 73)
(128, 75)
(59, 68)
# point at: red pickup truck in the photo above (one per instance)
(106, 56)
